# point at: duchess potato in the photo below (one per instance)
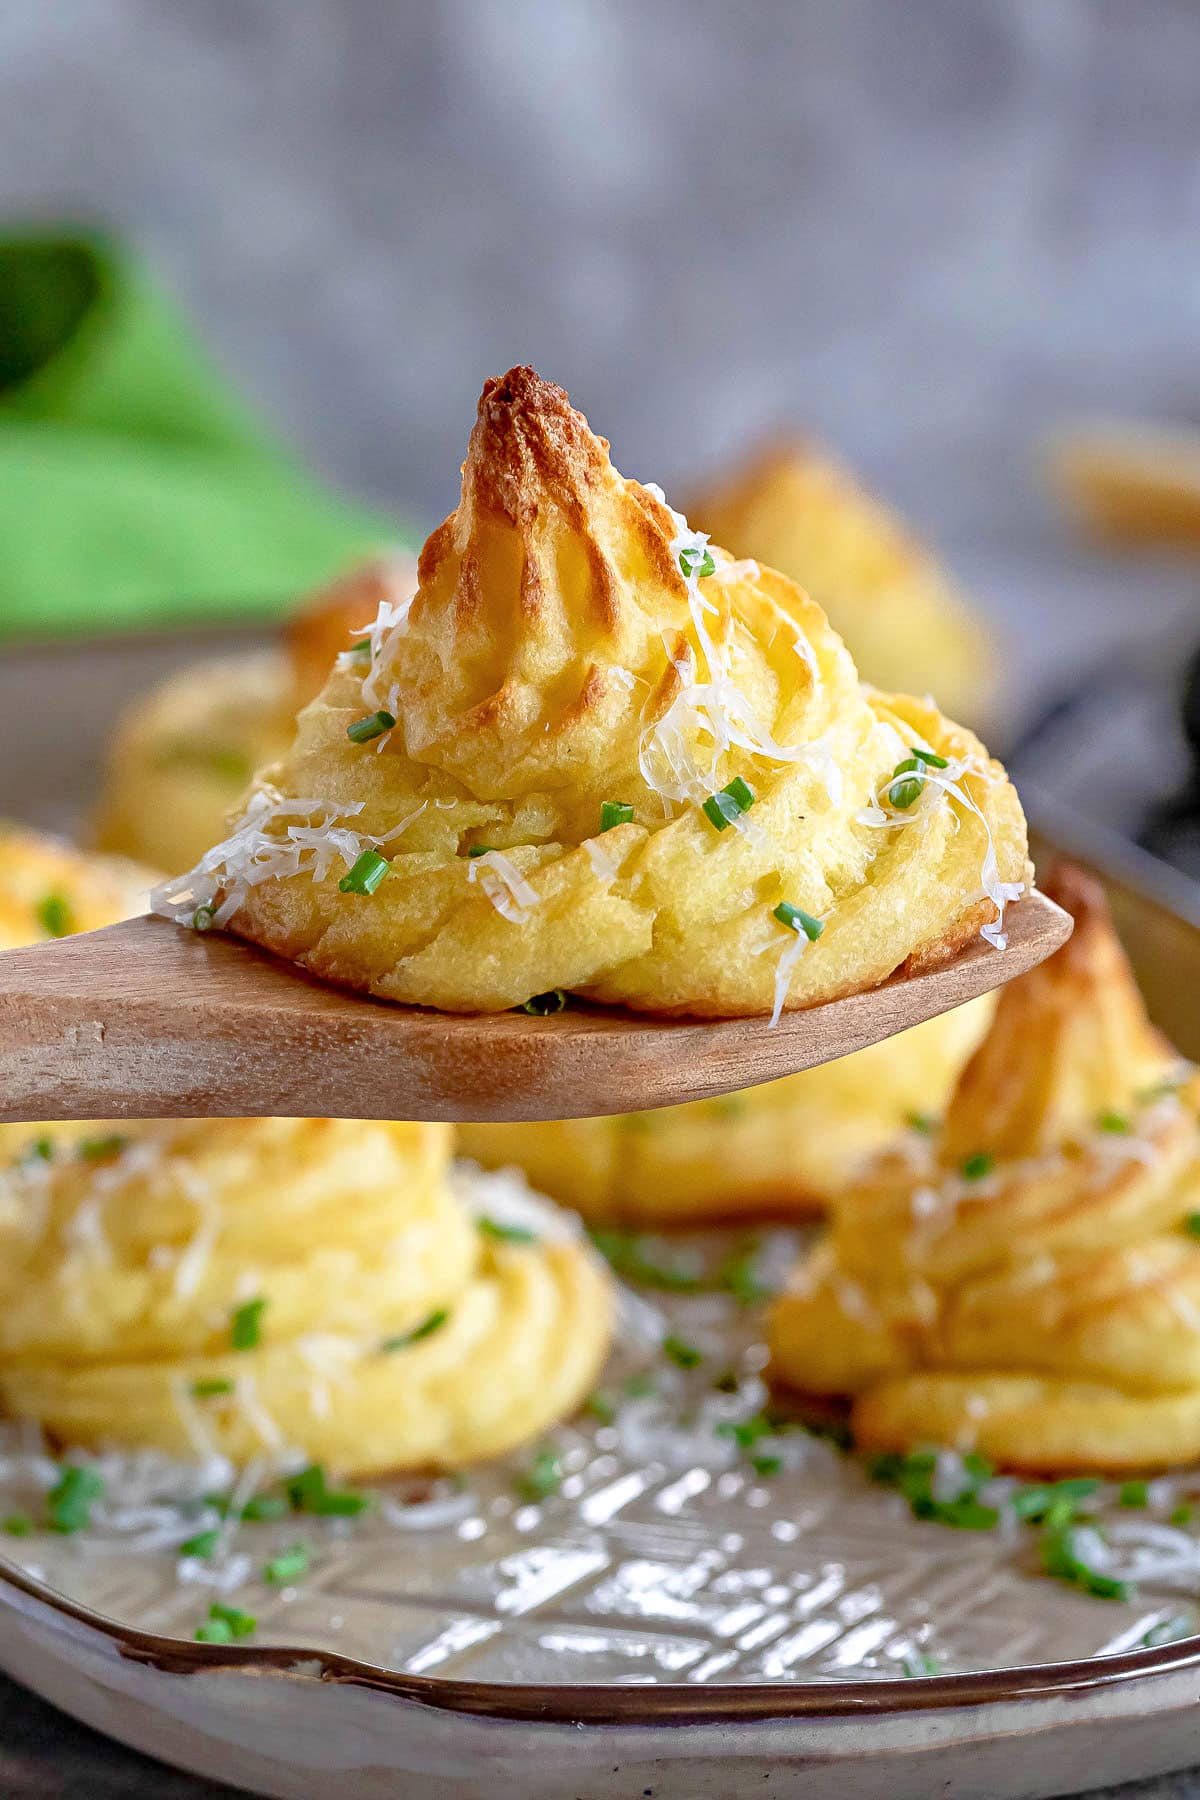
(246, 1286)
(1030, 1290)
(596, 754)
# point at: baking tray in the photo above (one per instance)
(670, 1623)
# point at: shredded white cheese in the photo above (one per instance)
(504, 885)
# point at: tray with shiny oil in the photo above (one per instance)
(687, 1591)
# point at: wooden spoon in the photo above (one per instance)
(145, 1020)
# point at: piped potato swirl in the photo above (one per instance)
(522, 783)
(250, 1286)
(1030, 1287)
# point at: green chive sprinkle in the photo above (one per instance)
(1182, 1514)
(977, 1166)
(601, 1408)
(694, 561)
(425, 1329)
(69, 1503)
(905, 793)
(1064, 1555)
(214, 1631)
(287, 1567)
(727, 1382)
(310, 1493)
(245, 1332)
(745, 1433)
(40, 1150)
(738, 1275)
(799, 920)
(1191, 1224)
(55, 917)
(240, 1623)
(920, 1121)
(18, 1525)
(1167, 1631)
(210, 1388)
(684, 1355)
(367, 874)
(264, 1509)
(479, 850)
(100, 1149)
(630, 1258)
(615, 812)
(927, 756)
(504, 1234)
(202, 1545)
(913, 1476)
(362, 645)
(203, 917)
(766, 1465)
(919, 1662)
(1036, 1502)
(1113, 1121)
(373, 726)
(542, 1005)
(730, 803)
(1133, 1493)
(542, 1478)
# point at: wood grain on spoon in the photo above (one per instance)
(144, 1020)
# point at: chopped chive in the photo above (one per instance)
(214, 1631)
(542, 1478)
(240, 1623)
(1035, 1502)
(1065, 1549)
(745, 1433)
(601, 1408)
(287, 1567)
(373, 726)
(919, 1662)
(542, 1005)
(210, 1387)
(1133, 1493)
(69, 1503)
(367, 874)
(99, 1149)
(766, 1465)
(721, 809)
(264, 1509)
(18, 1525)
(245, 1330)
(683, 1354)
(977, 1166)
(920, 1121)
(630, 1258)
(727, 1382)
(903, 793)
(1191, 1224)
(927, 756)
(479, 850)
(40, 1150)
(426, 1328)
(1112, 1121)
(615, 812)
(504, 1234)
(696, 561)
(640, 1387)
(738, 1275)
(1167, 1631)
(1182, 1514)
(55, 917)
(202, 1545)
(310, 1493)
(799, 920)
(203, 917)
(913, 1476)
(362, 644)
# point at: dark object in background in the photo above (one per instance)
(1172, 829)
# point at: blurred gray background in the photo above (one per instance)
(927, 232)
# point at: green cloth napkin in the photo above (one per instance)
(134, 489)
